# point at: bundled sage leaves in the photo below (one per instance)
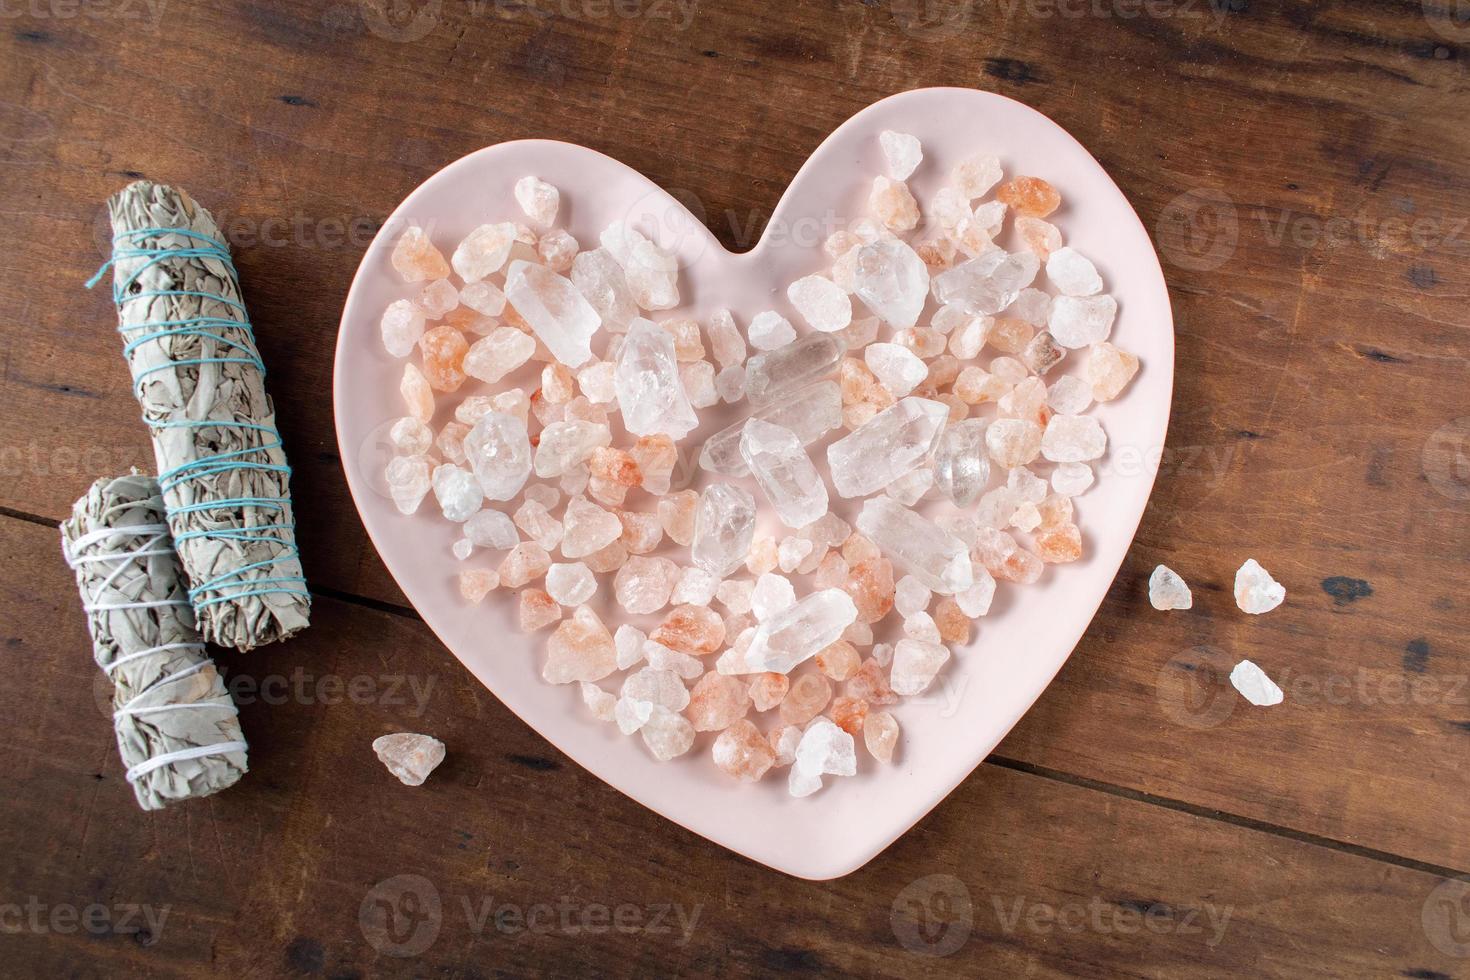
(177, 729)
(196, 372)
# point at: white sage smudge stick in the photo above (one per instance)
(177, 729)
(200, 380)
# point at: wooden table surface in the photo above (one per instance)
(1304, 169)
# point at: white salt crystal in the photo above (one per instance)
(558, 314)
(570, 584)
(724, 526)
(936, 558)
(402, 326)
(892, 281)
(977, 175)
(457, 491)
(911, 596)
(901, 153)
(821, 303)
(1069, 395)
(1077, 321)
(650, 390)
(730, 384)
(589, 528)
(629, 640)
(695, 587)
(915, 665)
(771, 375)
(885, 447)
(772, 593)
(602, 704)
(770, 330)
(725, 340)
(483, 251)
(1072, 479)
(784, 472)
(1072, 273)
(975, 601)
(1073, 439)
(1166, 590)
(491, 529)
(792, 552)
(897, 367)
(798, 632)
(538, 199)
(1256, 591)
(409, 756)
(961, 462)
(987, 283)
(599, 278)
(1254, 685)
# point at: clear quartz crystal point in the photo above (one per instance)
(724, 526)
(650, 391)
(799, 632)
(961, 462)
(784, 471)
(773, 374)
(885, 447)
(554, 308)
(932, 555)
(811, 413)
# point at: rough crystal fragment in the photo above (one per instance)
(1059, 544)
(1041, 237)
(651, 270)
(770, 331)
(895, 366)
(810, 413)
(824, 749)
(891, 202)
(650, 391)
(457, 491)
(418, 396)
(717, 702)
(538, 199)
(570, 584)
(1073, 439)
(1108, 370)
(886, 447)
(726, 343)
(563, 446)
(416, 258)
(784, 472)
(538, 524)
(915, 665)
(1071, 479)
(644, 585)
(580, 649)
(601, 280)
(695, 587)
(1013, 442)
(1042, 353)
(1256, 591)
(1072, 273)
(742, 751)
(901, 153)
(1079, 321)
(632, 714)
(655, 455)
(409, 756)
(599, 702)
(1069, 395)
(409, 480)
(772, 594)
(588, 528)
(839, 660)
(491, 529)
(667, 734)
(892, 281)
(724, 526)
(555, 310)
(936, 558)
(402, 326)
(792, 552)
(483, 252)
(821, 303)
(484, 298)
(695, 630)
(537, 610)
(1166, 590)
(976, 176)
(809, 694)
(961, 463)
(653, 685)
(1030, 195)
(499, 451)
(911, 596)
(1253, 684)
(730, 384)
(698, 379)
(799, 631)
(988, 283)
(880, 735)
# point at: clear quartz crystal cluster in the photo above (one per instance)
(753, 533)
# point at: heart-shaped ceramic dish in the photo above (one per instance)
(1030, 631)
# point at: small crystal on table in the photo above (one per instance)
(409, 756)
(1166, 590)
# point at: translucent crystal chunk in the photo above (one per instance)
(885, 447)
(650, 390)
(961, 462)
(784, 472)
(938, 559)
(724, 526)
(771, 375)
(798, 632)
(811, 413)
(498, 449)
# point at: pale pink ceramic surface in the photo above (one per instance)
(1018, 648)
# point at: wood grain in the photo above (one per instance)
(1303, 168)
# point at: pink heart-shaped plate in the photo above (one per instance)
(1030, 631)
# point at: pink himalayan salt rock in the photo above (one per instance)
(831, 572)
(880, 735)
(537, 610)
(1029, 196)
(893, 204)
(608, 559)
(975, 386)
(676, 514)
(870, 583)
(954, 625)
(1011, 336)
(1013, 442)
(614, 466)
(783, 740)
(857, 549)
(849, 714)
(839, 661)
(416, 258)
(588, 528)
(557, 384)
(580, 649)
(607, 493)
(667, 733)
(1041, 237)
(1059, 544)
(1004, 558)
(641, 532)
(1108, 370)
(742, 751)
(805, 700)
(871, 685)
(696, 630)
(687, 344)
(525, 562)
(1055, 510)
(409, 756)
(656, 456)
(767, 690)
(643, 585)
(557, 250)
(476, 583)
(418, 396)
(764, 555)
(717, 702)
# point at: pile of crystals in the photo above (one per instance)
(930, 377)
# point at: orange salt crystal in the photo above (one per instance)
(743, 752)
(417, 394)
(537, 610)
(809, 694)
(839, 661)
(475, 583)
(416, 258)
(849, 714)
(870, 583)
(1059, 544)
(444, 349)
(717, 702)
(697, 630)
(871, 685)
(614, 466)
(954, 625)
(767, 690)
(1030, 196)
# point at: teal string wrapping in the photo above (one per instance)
(197, 373)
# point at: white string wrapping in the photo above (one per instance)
(177, 729)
